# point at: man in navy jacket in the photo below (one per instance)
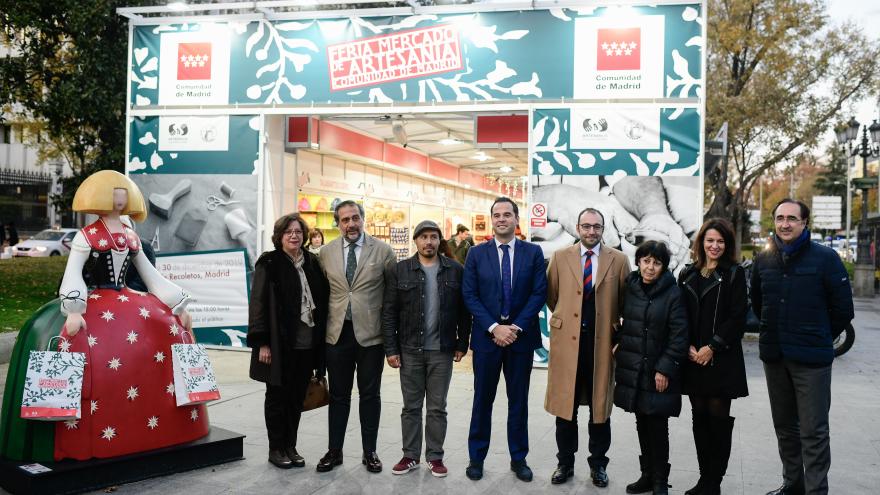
(802, 295)
(504, 288)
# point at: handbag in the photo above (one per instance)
(53, 385)
(194, 380)
(317, 394)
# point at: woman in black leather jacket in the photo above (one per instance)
(652, 345)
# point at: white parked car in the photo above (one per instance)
(50, 242)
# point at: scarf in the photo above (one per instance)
(790, 249)
(307, 305)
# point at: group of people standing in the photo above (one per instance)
(636, 339)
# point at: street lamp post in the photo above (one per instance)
(863, 280)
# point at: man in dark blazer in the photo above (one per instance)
(504, 288)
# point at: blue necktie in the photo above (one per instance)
(506, 284)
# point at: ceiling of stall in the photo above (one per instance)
(444, 136)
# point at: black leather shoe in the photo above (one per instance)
(562, 474)
(474, 470)
(600, 477)
(331, 459)
(522, 470)
(796, 489)
(371, 460)
(279, 458)
(295, 459)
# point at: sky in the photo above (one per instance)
(865, 13)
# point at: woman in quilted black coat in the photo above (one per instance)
(652, 345)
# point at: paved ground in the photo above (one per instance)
(754, 465)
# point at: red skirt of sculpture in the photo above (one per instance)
(128, 402)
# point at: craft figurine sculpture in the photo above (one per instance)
(128, 402)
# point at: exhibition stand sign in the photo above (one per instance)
(598, 52)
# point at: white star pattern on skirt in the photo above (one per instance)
(159, 357)
(132, 337)
(122, 297)
(108, 433)
(170, 389)
(93, 341)
(107, 315)
(65, 346)
(174, 329)
(72, 424)
(194, 414)
(153, 422)
(93, 231)
(102, 243)
(144, 312)
(114, 364)
(132, 393)
(94, 406)
(95, 296)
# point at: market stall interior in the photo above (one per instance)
(405, 168)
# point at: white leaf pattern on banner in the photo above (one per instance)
(136, 164)
(293, 26)
(527, 88)
(553, 138)
(607, 155)
(254, 123)
(695, 41)
(538, 131)
(253, 39)
(156, 160)
(379, 96)
(147, 139)
(173, 156)
(562, 160)
(150, 66)
(141, 100)
(360, 23)
(586, 160)
(686, 81)
(663, 158)
(500, 73)
(641, 167)
(559, 14)
(149, 82)
(286, 53)
(140, 54)
(545, 168)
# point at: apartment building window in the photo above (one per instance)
(5, 134)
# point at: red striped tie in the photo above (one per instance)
(588, 273)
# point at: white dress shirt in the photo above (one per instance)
(358, 247)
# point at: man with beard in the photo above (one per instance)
(585, 287)
(504, 287)
(357, 266)
(426, 328)
(801, 293)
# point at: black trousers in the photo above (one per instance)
(283, 405)
(654, 441)
(343, 359)
(567, 431)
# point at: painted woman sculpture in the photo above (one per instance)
(128, 402)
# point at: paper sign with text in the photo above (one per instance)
(217, 282)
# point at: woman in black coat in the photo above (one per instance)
(652, 344)
(714, 290)
(286, 328)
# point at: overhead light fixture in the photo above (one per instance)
(505, 169)
(399, 133)
(177, 6)
(449, 141)
(481, 156)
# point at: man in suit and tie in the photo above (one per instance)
(585, 288)
(504, 287)
(356, 265)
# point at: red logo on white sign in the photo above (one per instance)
(53, 383)
(393, 57)
(193, 61)
(619, 49)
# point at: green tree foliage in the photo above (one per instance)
(779, 73)
(66, 77)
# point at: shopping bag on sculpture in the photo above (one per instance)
(53, 386)
(194, 380)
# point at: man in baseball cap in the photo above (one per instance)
(426, 327)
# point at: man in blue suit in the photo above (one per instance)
(504, 287)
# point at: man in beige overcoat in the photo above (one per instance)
(356, 265)
(585, 287)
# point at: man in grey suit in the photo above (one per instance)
(356, 265)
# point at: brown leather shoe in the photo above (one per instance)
(331, 459)
(279, 458)
(371, 460)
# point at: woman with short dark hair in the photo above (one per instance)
(651, 345)
(286, 328)
(714, 290)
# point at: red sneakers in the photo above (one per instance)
(405, 465)
(437, 468)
